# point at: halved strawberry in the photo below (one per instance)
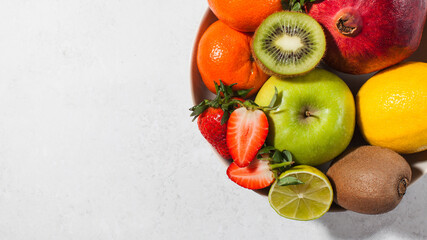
(213, 115)
(256, 175)
(263, 169)
(246, 133)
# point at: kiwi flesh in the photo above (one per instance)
(369, 179)
(288, 44)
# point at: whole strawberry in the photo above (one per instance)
(213, 116)
(213, 131)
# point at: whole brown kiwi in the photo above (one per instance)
(369, 179)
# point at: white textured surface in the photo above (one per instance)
(96, 140)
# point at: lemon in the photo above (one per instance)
(392, 108)
(306, 201)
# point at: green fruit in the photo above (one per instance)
(303, 202)
(315, 118)
(288, 44)
(370, 179)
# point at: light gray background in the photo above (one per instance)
(96, 140)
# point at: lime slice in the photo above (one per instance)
(302, 202)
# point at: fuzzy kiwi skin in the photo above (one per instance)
(369, 179)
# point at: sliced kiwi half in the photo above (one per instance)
(287, 44)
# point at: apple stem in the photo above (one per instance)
(307, 114)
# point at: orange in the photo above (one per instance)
(244, 15)
(225, 54)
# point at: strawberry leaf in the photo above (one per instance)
(288, 155)
(223, 99)
(217, 88)
(225, 117)
(273, 100)
(243, 93)
(199, 109)
(296, 7)
(266, 149)
(289, 180)
(277, 157)
(226, 90)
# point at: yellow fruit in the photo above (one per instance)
(392, 108)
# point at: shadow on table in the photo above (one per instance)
(407, 219)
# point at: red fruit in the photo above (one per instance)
(209, 123)
(246, 133)
(213, 116)
(366, 36)
(255, 176)
(239, 99)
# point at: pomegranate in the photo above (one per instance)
(364, 36)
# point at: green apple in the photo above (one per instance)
(315, 118)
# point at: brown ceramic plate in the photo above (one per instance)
(418, 161)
